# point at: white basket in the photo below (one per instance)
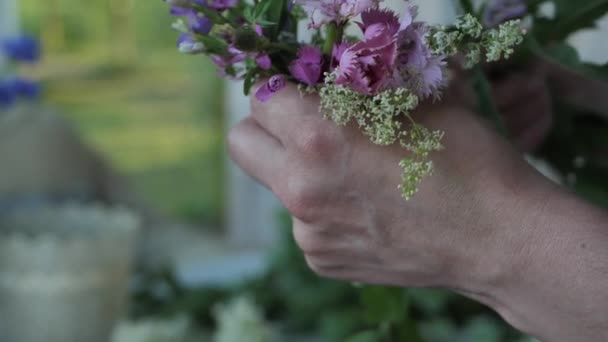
(64, 272)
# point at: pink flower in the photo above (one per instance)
(308, 67)
(367, 66)
(373, 17)
(275, 84)
(415, 67)
(337, 53)
(337, 11)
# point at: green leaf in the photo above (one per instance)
(365, 336)
(384, 304)
(261, 9)
(485, 99)
(574, 16)
(214, 16)
(274, 14)
(467, 6)
(213, 45)
(567, 57)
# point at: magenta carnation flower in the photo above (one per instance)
(275, 84)
(366, 66)
(337, 53)
(338, 11)
(308, 67)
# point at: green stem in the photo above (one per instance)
(334, 34)
(486, 101)
(467, 6)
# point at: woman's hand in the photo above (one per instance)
(485, 225)
(350, 219)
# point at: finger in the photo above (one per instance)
(256, 152)
(516, 89)
(284, 114)
(523, 115)
(532, 136)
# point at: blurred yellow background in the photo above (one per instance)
(112, 69)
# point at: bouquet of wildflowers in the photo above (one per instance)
(14, 88)
(375, 79)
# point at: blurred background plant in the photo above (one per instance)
(111, 67)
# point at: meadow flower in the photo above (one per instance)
(186, 44)
(22, 49)
(337, 11)
(197, 23)
(308, 67)
(366, 66)
(275, 84)
(416, 68)
(501, 11)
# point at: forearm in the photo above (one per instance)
(558, 288)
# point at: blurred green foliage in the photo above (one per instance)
(331, 311)
(111, 67)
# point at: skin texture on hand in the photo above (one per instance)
(476, 226)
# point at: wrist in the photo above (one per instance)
(548, 275)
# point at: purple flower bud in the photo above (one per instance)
(218, 5)
(275, 84)
(186, 44)
(264, 62)
(308, 67)
(180, 11)
(23, 49)
(198, 24)
(500, 11)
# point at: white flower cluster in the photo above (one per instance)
(469, 37)
(386, 119)
(499, 42)
(241, 320)
(153, 330)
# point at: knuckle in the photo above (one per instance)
(314, 139)
(307, 241)
(317, 267)
(234, 137)
(301, 199)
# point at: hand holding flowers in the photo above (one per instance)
(375, 81)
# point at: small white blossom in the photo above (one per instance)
(499, 42)
(180, 26)
(469, 25)
(241, 320)
(191, 48)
